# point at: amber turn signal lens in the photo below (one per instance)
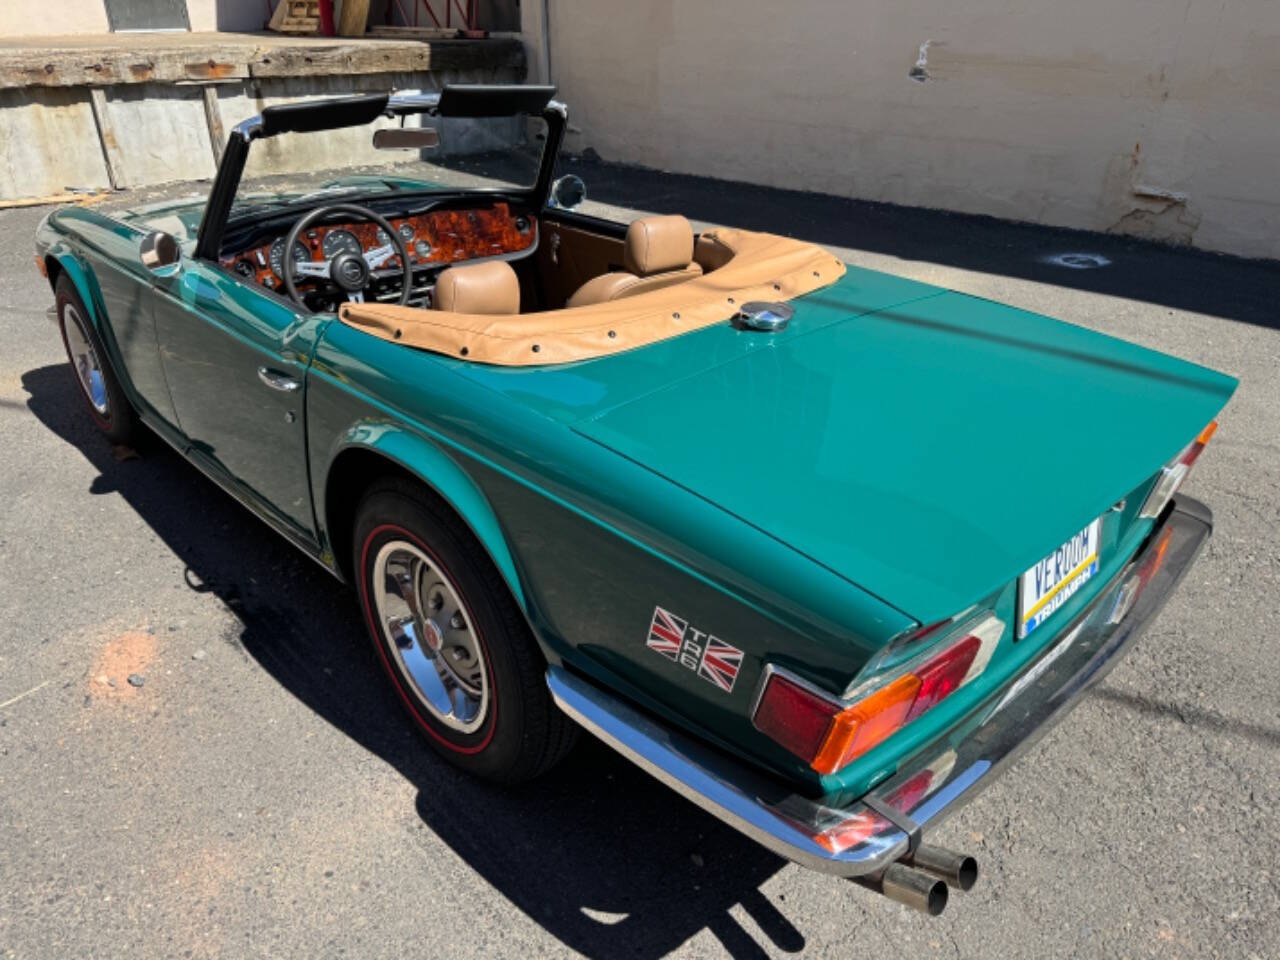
(857, 729)
(44, 271)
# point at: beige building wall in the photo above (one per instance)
(28, 18)
(1146, 117)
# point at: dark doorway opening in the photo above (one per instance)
(147, 15)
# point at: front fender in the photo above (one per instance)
(441, 473)
(82, 275)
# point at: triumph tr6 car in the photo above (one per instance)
(819, 547)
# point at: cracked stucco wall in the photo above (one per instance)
(1155, 118)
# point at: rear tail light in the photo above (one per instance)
(1174, 472)
(944, 674)
(829, 733)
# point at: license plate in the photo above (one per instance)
(1052, 582)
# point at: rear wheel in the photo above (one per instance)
(94, 377)
(452, 640)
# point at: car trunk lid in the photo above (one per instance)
(930, 451)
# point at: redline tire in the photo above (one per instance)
(521, 733)
(113, 415)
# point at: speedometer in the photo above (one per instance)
(300, 255)
(341, 241)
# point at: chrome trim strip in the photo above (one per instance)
(1005, 725)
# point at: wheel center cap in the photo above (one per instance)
(432, 636)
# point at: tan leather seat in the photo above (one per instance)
(658, 253)
(490, 287)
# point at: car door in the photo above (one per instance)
(235, 358)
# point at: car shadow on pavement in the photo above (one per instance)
(599, 854)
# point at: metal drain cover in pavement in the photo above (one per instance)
(1078, 261)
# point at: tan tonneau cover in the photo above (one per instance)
(763, 266)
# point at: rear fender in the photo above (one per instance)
(442, 474)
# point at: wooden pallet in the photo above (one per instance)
(296, 16)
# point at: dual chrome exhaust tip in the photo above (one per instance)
(920, 880)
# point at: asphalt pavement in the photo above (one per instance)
(255, 792)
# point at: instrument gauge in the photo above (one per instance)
(300, 255)
(406, 232)
(382, 237)
(341, 241)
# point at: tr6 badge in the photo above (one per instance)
(709, 657)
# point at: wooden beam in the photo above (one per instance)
(297, 60)
(77, 67)
(354, 18)
(111, 154)
(85, 199)
(414, 33)
(105, 67)
(213, 119)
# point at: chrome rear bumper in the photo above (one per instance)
(856, 840)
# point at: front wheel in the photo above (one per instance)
(96, 380)
(453, 642)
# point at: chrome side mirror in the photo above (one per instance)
(160, 253)
(567, 192)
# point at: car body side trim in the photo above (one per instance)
(962, 761)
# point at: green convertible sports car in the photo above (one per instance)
(819, 547)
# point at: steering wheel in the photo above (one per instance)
(350, 272)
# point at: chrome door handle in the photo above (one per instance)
(277, 380)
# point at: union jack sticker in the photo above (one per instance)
(708, 656)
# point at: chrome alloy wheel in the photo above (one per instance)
(85, 359)
(432, 635)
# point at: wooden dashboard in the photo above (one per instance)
(436, 237)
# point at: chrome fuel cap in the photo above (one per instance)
(764, 315)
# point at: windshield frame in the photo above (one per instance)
(335, 113)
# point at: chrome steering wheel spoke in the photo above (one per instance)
(318, 269)
(335, 269)
(379, 255)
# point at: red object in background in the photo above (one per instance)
(326, 18)
(470, 14)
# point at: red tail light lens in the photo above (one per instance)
(943, 674)
(828, 733)
(794, 716)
